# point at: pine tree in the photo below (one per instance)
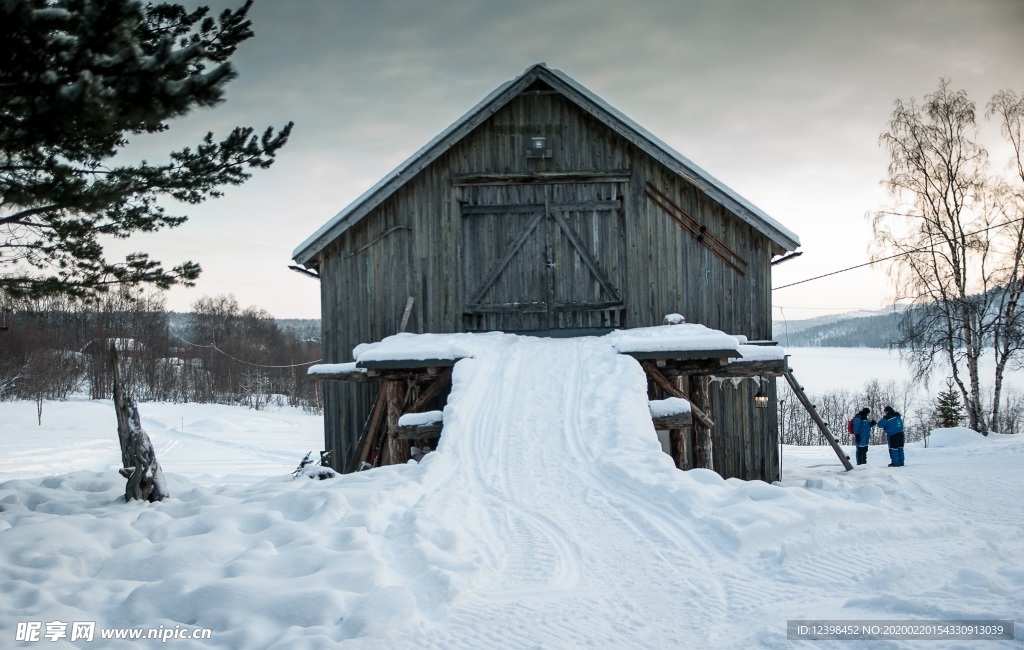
(77, 78)
(949, 412)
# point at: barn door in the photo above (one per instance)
(543, 257)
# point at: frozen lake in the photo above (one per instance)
(825, 369)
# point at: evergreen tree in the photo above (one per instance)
(949, 412)
(77, 78)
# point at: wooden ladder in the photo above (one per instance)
(800, 395)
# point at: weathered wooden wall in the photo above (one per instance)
(415, 244)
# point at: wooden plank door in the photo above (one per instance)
(543, 257)
(588, 253)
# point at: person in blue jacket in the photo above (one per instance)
(862, 434)
(892, 424)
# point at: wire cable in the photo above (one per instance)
(922, 250)
(248, 363)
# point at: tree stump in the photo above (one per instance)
(138, 458)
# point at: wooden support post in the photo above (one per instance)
(700, 401)
(372, 431)
(698, 413)
(685, 444)
(679, 438)
(679, 449)
(800, 395)
(444, 380)
(397, 449)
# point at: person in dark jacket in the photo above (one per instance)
(892, 424)
(862, 434)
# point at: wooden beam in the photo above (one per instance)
(591, 305)
(695, 228)
(443, 381)
(468, 210)
(543, 178)
(372, 431)
(357, 375)
(376, 239)
(798, 390)
(405, 314)
(711, 357)
(418, 431)
(405, 364)
(670, 389)
(508, 308)
(682, 420)
(696, 233)
(740, 369)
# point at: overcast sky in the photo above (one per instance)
(783, 101)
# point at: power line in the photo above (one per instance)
(885, 259)
(846, 308)
(248, 363)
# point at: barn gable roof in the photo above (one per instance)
(590, 103)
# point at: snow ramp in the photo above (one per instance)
(549, 505)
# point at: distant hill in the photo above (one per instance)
(307, 329)
(851, 330)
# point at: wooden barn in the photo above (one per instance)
(544, 210)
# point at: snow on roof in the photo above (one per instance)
(762, 352)
(333, 368)
(672, 338)
(587, 100)
(419, 347)
(669, 406)
(418, 419)
(688, 337)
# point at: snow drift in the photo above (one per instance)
(548, 517)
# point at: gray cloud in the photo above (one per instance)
(782, 100)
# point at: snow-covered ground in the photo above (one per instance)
(547, 518)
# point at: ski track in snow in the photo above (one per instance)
(905, 555)
(548, 517)
(533, 428)
(528, 436)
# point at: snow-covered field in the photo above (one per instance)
(547, 518)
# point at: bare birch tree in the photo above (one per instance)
(955, 237)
